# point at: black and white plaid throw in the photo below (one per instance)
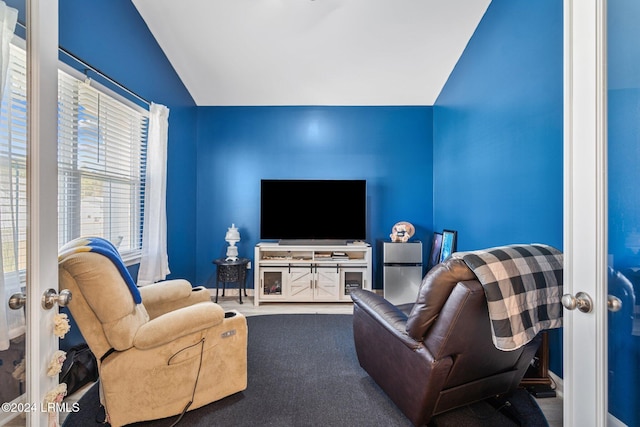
(523, 285)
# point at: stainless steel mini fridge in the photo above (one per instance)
(402, 271)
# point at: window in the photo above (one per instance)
(101, 157)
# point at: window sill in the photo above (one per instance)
(131, 258)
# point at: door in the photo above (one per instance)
(272, 286)
(351, 278)
(602, 212)
(401, 283)
(326, 283)
(300, 282)
(584, 364)
(40, 241)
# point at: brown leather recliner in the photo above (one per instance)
(437, 354)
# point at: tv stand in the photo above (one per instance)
(312, 242)
(310, 272)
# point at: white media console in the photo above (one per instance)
(310, 273)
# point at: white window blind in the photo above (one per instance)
(101, 158)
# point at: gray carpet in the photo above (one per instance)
(303, 371)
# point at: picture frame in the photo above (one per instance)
(449, 243)
(436, 247)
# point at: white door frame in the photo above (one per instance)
(585, 211)
(42, 266)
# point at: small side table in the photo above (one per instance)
(231, 272)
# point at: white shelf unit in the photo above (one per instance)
(310, 273)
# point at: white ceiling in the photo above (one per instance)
(313, 52)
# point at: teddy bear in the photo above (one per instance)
(402, 232)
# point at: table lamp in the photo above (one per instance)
(232, 237)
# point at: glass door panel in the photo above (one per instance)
(272, 281)
(13, 213)
(352, 279)
(623, 116)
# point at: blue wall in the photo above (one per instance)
(498, 134)
(112, 37)
(390, 147)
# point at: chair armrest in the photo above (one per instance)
(165, 290)
(178, 323)
(163, 297)
(388, 315)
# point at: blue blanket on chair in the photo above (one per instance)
(103, 247)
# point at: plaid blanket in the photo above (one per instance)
(523, 285)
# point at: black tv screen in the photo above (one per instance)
(313, 210)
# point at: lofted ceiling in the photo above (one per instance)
(312, 52)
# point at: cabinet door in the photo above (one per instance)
(273, 283)
(352, 278)
(327, 284)
(300, 284)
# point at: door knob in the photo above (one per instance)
(17, 301)
(614, 303)
(582, 301)
(50, 297)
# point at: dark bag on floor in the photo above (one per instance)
(79, 368)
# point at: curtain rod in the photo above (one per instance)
(101, 74)
(95, 70)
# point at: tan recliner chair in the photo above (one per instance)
(174, 350)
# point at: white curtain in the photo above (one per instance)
(154, 264)
(12, 322)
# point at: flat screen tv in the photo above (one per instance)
(318, 211)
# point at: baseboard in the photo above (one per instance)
(232, 292)
(557, 381)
